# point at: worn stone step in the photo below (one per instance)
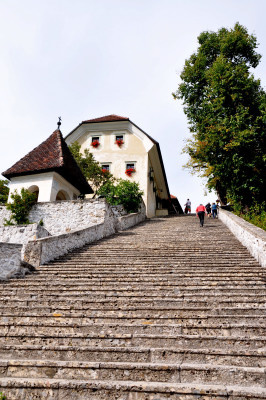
(30, 388)
(122, 371)
(73, 326)
(128, 340)
(254, 358)
(185, 309)
(183, 316)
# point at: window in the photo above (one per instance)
(130, 168)
(130, 165)
(119, 140)
(106, 167)
(95, 141)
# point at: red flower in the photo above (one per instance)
(105, 170)
(130, 171)
(119, 142)
(95, 143)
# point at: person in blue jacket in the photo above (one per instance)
(214, 210)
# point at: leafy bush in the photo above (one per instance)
(256, 215)
(4, 190)
(20, 207)
(124, 192)
(2, 396)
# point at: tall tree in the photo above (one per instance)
(90, 168)
(226, 109)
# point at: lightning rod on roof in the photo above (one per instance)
(59, 123)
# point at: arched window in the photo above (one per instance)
(62, 195)
(34, 189)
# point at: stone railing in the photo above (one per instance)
(22, 233)
(76, 222)
(10, 260)
(41, 251)
(252, 237)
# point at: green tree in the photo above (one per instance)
(226, 109)
(124, 192)
(4, 191)
(90, 168)
(20, 206)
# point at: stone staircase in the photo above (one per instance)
(166, 310)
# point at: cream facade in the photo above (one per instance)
(138, 151)
(49, 186)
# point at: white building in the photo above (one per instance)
(121, 146)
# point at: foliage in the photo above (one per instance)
(256, 215)
(124, 192)
(4, 191)
(90, 168)
(2, 396)
(226, 109)
(20, 207)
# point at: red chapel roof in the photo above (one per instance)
(108, 118)
(51, 155)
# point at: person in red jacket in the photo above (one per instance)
(200, 212)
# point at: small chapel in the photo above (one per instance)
(50, 171)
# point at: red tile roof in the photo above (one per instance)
(51, 155)
(107, 118)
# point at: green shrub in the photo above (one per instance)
(2, 396)
(124, 192)
(256, 215)
(20, 207)
(4, 190)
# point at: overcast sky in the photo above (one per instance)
(82, 59)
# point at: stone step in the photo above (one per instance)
(37, 389)
(132, 340)
(152, 289)
(122, 371)
(48, 317)
(70, 326)
(223, 356)
(151, 305)
(185, 309)
(181, 283)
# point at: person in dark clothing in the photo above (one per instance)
(200, 212)
(208, 209)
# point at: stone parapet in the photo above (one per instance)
(22, 233)
(41, 251)
(252, 237)
(10, 260)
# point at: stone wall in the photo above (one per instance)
(252, 237)
(10, 260)
(4, 214)
(65, 216)
(126, 221)
(22, 233)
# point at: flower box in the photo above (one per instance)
(95, 143)
(130, 171)
(119, 142)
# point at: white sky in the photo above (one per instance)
(81, 59)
